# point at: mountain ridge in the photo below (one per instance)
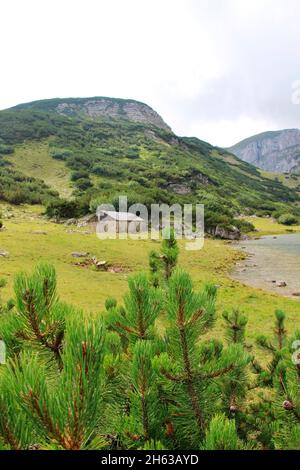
(99, 106)
(273, 151)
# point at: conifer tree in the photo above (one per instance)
(143, 414)
(133, 379)
(39, 318)
(191, 372)
(272, 413)
(64, 406)
(235, 387)
(274, 347)
(163, 263)
(236, 327)
(170, 251)
(142, 305)
(155, 265)
(286, 380)
(146, 413)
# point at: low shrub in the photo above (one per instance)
(288, 219)
(243, 225)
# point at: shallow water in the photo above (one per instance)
(271, 260)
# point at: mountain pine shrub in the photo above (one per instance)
(143, 375)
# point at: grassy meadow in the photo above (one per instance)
(33, 159)
(30, 238)
(267, 226)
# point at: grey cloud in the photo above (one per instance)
(263, 57)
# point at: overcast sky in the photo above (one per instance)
(220, 70)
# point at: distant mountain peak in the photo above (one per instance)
(96, 107)
(275, 151)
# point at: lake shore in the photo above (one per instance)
(272, 264)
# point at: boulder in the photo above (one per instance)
(227, 233)
(281, 284)
(4, 253)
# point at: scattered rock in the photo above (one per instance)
(296, 294)
(4, 253)
(87, 219)
(101, 265)
(78, 254)
(117, 269)
(71, 222)
(281, 284)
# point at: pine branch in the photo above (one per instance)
(218, 373)
(190, 380)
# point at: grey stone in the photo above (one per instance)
(281, 284)
(78, 254)
(4, 253)
(230, 233)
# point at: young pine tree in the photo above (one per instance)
(169, 252)
(235, 387)
(135, 323)
(38, 319)
(142, 305)
(286, 379)
(63, 407)
(163, 263)
(274, 347)
(264, 415)
(191, 371)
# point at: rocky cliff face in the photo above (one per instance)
(272, 151)
(101, 107)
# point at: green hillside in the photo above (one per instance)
(95, 155)
(33, 159)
